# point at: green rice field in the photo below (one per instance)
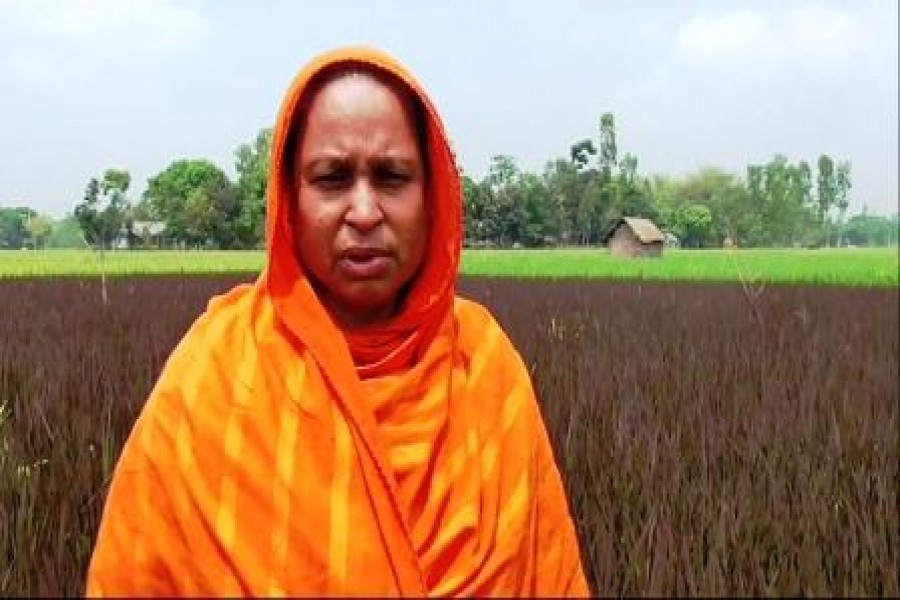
(843, 266)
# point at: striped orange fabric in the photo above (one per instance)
(266, 463)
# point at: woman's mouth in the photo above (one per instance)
(364, 262)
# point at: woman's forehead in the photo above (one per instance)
(356, 99)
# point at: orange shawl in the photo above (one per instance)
(266, 463)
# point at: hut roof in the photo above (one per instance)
(643, 229)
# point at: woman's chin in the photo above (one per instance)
(365, 304)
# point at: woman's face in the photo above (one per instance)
(360, 177)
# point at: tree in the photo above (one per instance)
(66, 233)
(39, 228)
(780, 192)
(777, 197)
(628, 195)
(602, 202)
(13, 234)
(197, 202)
(608, 152)
(539, 225)
(252, 166)
(826, 190)
(870, 230)
(581, 152)
(502, 171)
(476, 210)
(842, 184)
(692, 223)
(594, 199)
(564, 187)
(102, 214)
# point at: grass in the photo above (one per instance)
(876, 267)
(852, 267)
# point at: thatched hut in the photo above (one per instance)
(630, 236)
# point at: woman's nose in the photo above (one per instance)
(364, 212)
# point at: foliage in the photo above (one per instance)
(872, 230)
(572, 201)
(252, 166)
(39, 228)
(66, 233)
(13, 230)
(102, 214)
(197, 202)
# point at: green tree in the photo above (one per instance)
(781, 193)
(39, 228)
(103, 210)
(66, 233)
(692, 224)
(601, 206)
(477, 203)
(726, 196)
(871, 230)
(580, 153)
(197, 202)
(842, 183)
(608, 150)
(630, 195)
(252, 167)
(564, 186)
(593, 204)
(13, 234)
(102, 214)
(826, 191)
(539, 223)
(506, 217)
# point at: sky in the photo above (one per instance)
(87, 85)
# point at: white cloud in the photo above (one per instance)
(822, 32)
(792, 35)
(713, 38)
(137, 24)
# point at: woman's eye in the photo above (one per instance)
(393, 177)
(332, 179)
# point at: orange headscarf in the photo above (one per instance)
(268, 462)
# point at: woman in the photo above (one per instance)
(346, 425)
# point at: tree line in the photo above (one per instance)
(574, 200)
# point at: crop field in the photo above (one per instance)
(844, 266)
(714, 440)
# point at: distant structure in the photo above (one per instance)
(672, 240)
(147, 234)
(630, 236)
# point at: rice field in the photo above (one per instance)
(844, 266)
(714, 440)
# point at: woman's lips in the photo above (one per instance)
(364, 263)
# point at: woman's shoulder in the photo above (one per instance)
(203, 377)
(212, 349)
(480, 335)
(471, 312)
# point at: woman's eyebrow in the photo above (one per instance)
(325, 161)
(403, 162)
(340, 161)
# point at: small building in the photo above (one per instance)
(149, 232)
(634, 237)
